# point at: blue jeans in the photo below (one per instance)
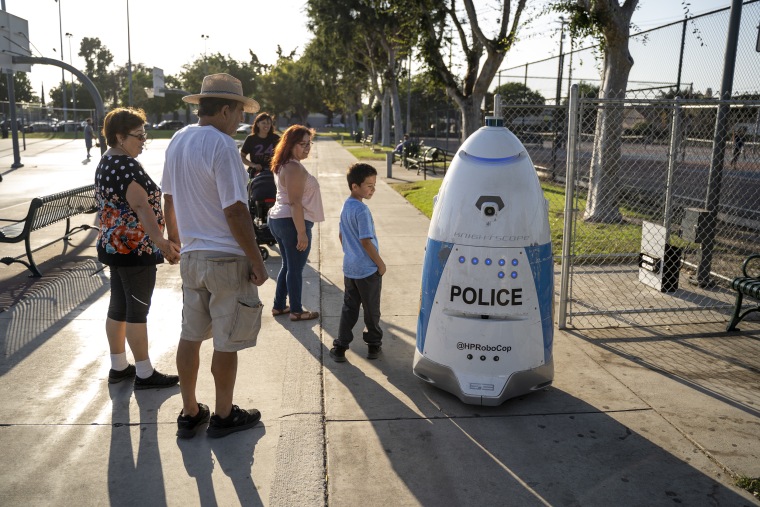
(290, 277)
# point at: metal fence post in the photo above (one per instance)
(572, 139)
(712, 199)
(389, 163)
(675, 144)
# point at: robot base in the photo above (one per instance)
(519, 382)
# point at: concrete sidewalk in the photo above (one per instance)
(630, 419)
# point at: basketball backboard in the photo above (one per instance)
(14, 41)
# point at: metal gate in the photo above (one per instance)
(648, 238)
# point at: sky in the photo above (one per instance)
(168, 33)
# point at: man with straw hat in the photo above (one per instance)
(206, 212)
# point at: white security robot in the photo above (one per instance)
(485, 329)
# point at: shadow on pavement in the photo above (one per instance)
(724, 366)
(547, 448)
(46, 307)
(136, 480)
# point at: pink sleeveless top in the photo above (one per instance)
(311, 200)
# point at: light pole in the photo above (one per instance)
(73, 86)
(557, 111)
(63, 77)
(205, 59)
(129, 58)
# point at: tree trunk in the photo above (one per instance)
(398, 125)
(602, 204)
(386, 117)
(471, 114)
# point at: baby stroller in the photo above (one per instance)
(262, 192)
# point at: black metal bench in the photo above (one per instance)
(44, 211)
(431, 156)
(747, 285)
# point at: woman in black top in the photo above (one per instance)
(258, 148)
(131, 243)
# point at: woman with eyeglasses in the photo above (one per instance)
(131, 243)
(298, 206)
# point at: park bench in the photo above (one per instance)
(410, 154)
(430, 157)
(747, 285)
(44, 211)
(367, 140)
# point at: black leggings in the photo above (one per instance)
(131, 291)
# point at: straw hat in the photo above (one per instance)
(223, 86)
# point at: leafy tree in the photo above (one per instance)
(517, 93)
(290, 90)
(436, 18)
(249, 74)
(609, 22)
(340, 80)
(22, 88)
(375, 35)
(514, 93)
(429, 101)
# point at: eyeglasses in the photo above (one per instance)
(306, 144)
(142, 136)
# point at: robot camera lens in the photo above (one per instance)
(469, 356)
(495, 358)
(482, 358)
(489, 211)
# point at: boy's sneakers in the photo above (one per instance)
(187, 426)
(116, 376)
(374, 351)
(238, 420)
(338, 354)
(156, 381)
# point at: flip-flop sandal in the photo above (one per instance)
(276, 312)
(303, 316)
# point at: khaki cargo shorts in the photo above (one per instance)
(219, 300)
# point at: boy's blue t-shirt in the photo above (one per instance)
(356, 224)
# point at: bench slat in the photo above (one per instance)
(47, 210)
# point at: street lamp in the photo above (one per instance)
(129, 58)
(557, 110)
(205, 59)
(63, 77)
(73, 86)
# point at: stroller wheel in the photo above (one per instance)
(264, 253)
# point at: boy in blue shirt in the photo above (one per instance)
(363, 267)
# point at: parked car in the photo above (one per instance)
(336, 125)
(38, 126)
(244, 128)
(71, 126)
(169, 125)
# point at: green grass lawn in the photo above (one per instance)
(603, 239)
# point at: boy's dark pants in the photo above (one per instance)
(364, 292)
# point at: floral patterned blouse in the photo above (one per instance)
(121, 239)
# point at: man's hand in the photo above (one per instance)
(259, 276)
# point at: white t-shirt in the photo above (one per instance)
(204, 174)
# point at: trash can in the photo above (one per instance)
(659, 262)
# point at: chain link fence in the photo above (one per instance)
(659, 225)
(685, 56)
(647, 243)
(33, 117)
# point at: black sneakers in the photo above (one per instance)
(338, 354)
(238, 420)
(374, 351)
(187, 426)
(116, 376)
(156, 381)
